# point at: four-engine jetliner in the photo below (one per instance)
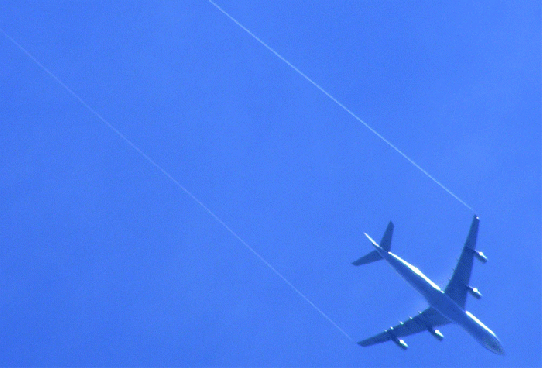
(444, 306)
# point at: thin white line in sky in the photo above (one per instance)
(177, 183)
(341, 105)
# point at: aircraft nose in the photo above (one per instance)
(496, 347)
(493, 344)
(500, 349)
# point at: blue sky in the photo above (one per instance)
(106, 261)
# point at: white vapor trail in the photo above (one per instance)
(175, 181)
(341, 105)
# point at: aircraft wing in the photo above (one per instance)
(459, 283)
(424, 321)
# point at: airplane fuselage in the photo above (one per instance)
(442, 302)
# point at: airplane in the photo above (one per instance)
(444, 306)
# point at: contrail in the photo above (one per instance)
(175, 181)
(342, 106)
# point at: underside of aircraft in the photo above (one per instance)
(444, 306)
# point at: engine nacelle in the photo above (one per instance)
(437, 334)
(474, 292)
(481, 256)
(401, 343)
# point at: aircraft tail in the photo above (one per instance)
(385, 244)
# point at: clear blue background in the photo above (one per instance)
(104, 261)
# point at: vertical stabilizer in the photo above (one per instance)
(385, 243)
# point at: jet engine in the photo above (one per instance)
(481, 256)
(474, 292)
(401, 343)
(437, 334)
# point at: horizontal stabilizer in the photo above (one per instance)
(385, 244)
(371, 257)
